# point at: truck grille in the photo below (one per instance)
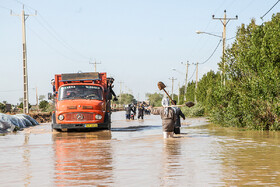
(79, 116)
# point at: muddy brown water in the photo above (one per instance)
(135, 154)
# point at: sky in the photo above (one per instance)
(139, 43)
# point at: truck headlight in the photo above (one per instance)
(60, 117)
(98, 117)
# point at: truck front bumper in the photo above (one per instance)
(81, 126)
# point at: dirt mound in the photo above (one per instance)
(42, 117)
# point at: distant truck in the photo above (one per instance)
(81, 102)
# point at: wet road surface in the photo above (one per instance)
(135, 154)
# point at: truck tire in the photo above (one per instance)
(108, 120)
(53, 121)
(109, 126)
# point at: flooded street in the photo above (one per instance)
(134, 153)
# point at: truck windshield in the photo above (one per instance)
(80, 92)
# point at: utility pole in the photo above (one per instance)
(179, 93)
(224, 21)
(37, 103)
(196, 81)
(186, 81)
(172, 85)
(25, 75)
(94, 64)
(121, 82)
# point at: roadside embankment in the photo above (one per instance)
(41, 117)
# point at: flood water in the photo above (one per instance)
(134, 153)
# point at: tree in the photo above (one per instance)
(43, 105)
(125, 99)
(41, 97)
(2, 107)
(155, 98)
(21, 105)
(250, 97)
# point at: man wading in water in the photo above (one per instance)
(168, 117)
(178, 113)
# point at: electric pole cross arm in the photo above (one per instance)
(224, 21)
(25, 76)
(95, 63)
(172, 79)
(186, 80)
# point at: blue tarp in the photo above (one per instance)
(9, 123)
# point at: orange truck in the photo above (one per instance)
(81, 102)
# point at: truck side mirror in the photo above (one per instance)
(50, 96)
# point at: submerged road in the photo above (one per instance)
(134, 153)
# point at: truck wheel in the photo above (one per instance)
(108, 120)
(53, 121)
(109, 126)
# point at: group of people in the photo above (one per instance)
(170, 116)
(130, 111)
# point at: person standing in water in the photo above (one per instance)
(141, 111)
(178, 114)
(168, 117)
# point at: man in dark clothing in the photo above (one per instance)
(141, 111)
(178, 113)
(53, 85)
(110, 94)
(110, 86)
(133, 109)
(128, 110)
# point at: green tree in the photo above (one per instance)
(43, 105)
(2, 107)
(21, 105)
(190, 91)
(42, 97)
(251, 96)
(125, 99)
(155, 99)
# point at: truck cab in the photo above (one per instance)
(81, 102)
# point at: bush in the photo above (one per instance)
(43, 105)
(195, 111)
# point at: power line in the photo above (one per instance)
(94, 63)
(212, 53)
(231, 38)
(54, 49)
(4, 7)
(17, 90)
(270, 9)
(192, 74)
(224, 20)
(53, 32)
(249, 4)
(25, 5)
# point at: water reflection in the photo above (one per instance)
(171, 162)
(83, 158)
(26, 160)
(137, 155)
(250, 157)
